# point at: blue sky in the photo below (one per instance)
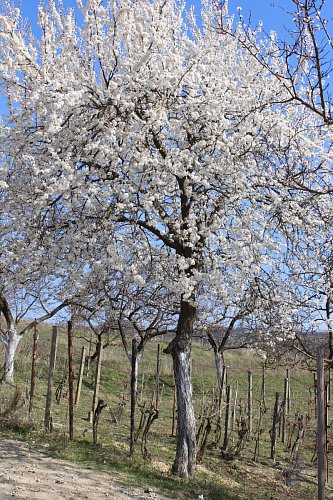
(271, 12)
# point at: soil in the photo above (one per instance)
(27, 473)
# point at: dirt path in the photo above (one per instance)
(26, 473)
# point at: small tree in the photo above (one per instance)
(10, 330)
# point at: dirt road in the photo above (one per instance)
(26, 473)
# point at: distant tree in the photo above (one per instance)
(143, 310)
(310, 281)
(15, 307)
(226, 318)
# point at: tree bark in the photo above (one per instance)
(180, 349)
(218, 355)
(219, 368)
(11, 345)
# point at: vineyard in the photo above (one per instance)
(256, 438)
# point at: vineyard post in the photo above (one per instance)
(158, 370)
(250, 401)
(89, 355)
(327, 424)
(33, 370)
(223, 381)
(328, 401)
(288, 392)
(53, 355)
(315, 393)
(133, 396)
(284, 409)
(97, 378)
(70, 380)
(321, 424)
(234, 411)
(263, 385)
(273, 431)
(227, 417)
(80, 377)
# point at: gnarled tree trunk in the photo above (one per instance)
(180, 349)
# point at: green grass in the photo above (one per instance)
(215, 478)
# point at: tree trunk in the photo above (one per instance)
(180, 348)
(219, 367)
(10, 350)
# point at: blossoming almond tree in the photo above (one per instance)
(135, 126)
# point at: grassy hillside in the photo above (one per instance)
(219, 475)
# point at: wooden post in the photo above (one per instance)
(89, 354)
(315, 392)
(276, 413)
(227, 418)
(33, 371)
(234, 412)
(288, 391)
(321, 424)
(224, 378)
(158, 369)
(284, 410)
(327, 424)
(273, 431)
(53, 355)
(97, 377)
(263, 386)
(329, 393)
(250, 402)
(80, 377)
(70, 380)
(133, 397)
